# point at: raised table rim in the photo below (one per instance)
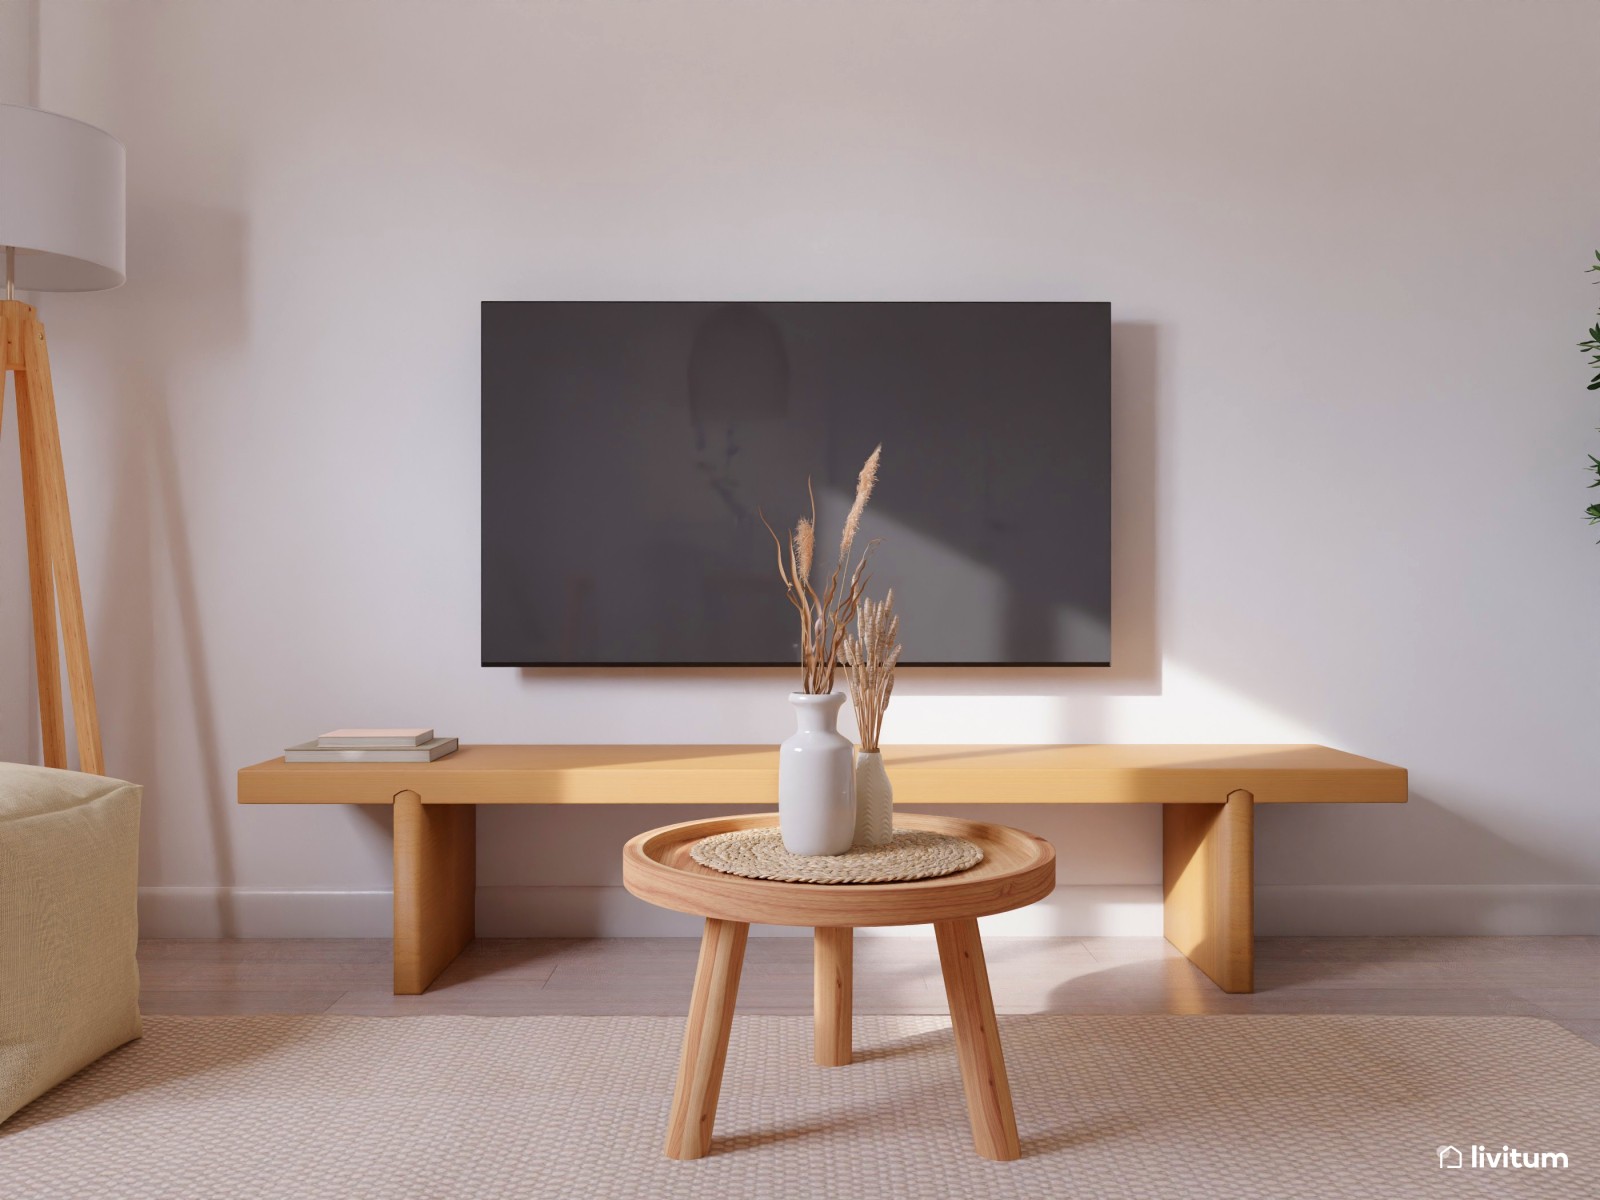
(1018, 869)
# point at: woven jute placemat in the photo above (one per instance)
(912, 854)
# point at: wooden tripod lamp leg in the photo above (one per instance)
(52, 562)
(36, 399)
(41, 585)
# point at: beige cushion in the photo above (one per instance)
(69, 873)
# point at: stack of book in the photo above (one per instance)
(372, 745)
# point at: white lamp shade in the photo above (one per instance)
(62, 200)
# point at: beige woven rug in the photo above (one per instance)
(236, 1108)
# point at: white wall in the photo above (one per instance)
(1344, 244)
(19, 727)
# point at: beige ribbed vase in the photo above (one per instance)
(874, 801)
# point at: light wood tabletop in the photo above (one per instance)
(748, 775)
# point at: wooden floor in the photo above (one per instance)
(1553, 977)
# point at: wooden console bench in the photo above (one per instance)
(1208, 794)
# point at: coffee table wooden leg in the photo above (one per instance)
(1208, 877)
(830, 994)
(983, 1067)
(435, 888)
(705, 1038)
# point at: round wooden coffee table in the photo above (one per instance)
(1017, 869)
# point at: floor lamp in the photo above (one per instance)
(61, 224)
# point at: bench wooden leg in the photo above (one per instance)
(435, 885)
(983, 1067)
(705, 1038)
(830, 995)
(1208, 877)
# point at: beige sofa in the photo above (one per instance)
(69, 866)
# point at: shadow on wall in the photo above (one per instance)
(186, 271)
(21, 737)
(1135, 668)
(1295, 840)
(1135, 646)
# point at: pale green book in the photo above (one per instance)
(374, 739)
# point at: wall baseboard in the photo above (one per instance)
(213, 912)
(207, 912)
(1443, 909)
(1106, 911)
(1070, 911)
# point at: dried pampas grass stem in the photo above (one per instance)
(865, 482)
(805, 542)
(870, 656)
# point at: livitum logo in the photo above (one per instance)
(1508, 1157)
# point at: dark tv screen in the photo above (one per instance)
(630, 448)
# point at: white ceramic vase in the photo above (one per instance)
(816, 779)
(874, 801)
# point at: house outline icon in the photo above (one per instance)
(1449, 1158)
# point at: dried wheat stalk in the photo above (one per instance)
(825, 616)
(870, 655)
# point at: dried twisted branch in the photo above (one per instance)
(825, 616)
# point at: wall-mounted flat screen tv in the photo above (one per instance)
(630, 448)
